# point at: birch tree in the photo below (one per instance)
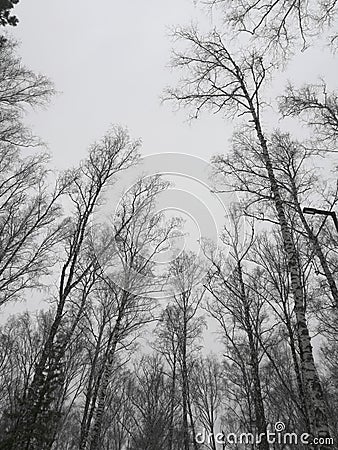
(275, 287)
(152, 409)
(207, 394)
(186, 271)
(30, 213)
(239, 308)
(114, 153)
(130, 278)
(167, 343)
(218, 80)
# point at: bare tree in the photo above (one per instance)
(28, 207)
(317, 108)
(216, 79)
(21, 339)
(207, 393)
(151, 405)
(119, 427)
(187, 271)
(275, 287)
(114, 153)
(278, 24)
(20, 89)
(292, 162)
(130, 279)
(239, 309)
(167, 343)
(30, 223)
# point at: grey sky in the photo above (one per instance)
(110, 65)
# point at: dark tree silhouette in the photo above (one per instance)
(6, 17)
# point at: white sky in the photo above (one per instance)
(110, 65)
(109, 61)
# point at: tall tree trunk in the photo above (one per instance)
(186, 438)
(316, 405)
(300, 382)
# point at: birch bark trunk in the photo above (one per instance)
(316, 405)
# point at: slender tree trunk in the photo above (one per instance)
(95, 434)
(213, 440)
(192, 422)
(185, 391)
(90, 396)
(212, 429)
(257, 391)
(300, 383)
(172, 406)
(316, 405)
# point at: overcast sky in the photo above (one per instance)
(109, 61)
(110, 65)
